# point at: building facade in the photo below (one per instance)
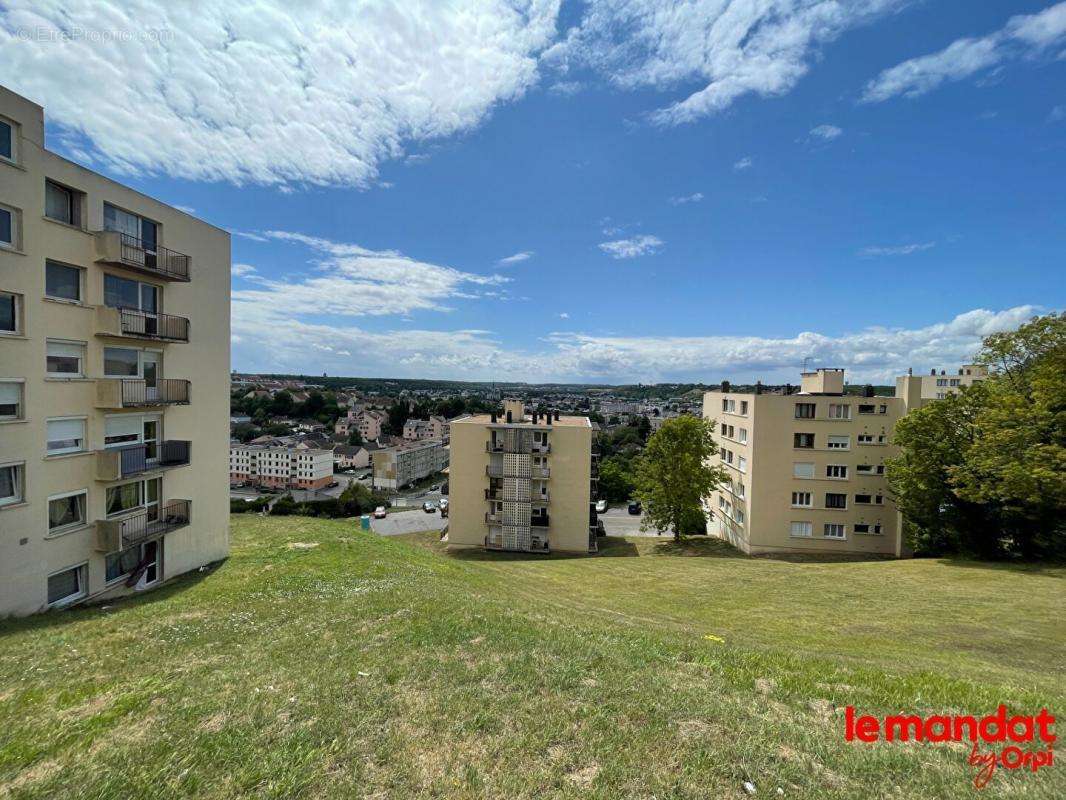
(435, 427)
(806, 469)
(937, 386)
(403, 464)
(114, 380)
(285, 467)
(520, 482)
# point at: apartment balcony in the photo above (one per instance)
(129, 252)
(538, 522)
(494, 494)
(493, 519)
(116, 463)
(142, 525)
(136, 393)
(497, 541)
(494, 447)
(540, 473)
(541, 449)
(133, 324)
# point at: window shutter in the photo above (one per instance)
(63, 429)
(65, 349)
(10, 393)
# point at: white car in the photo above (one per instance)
(443, 503)
(379, 512)
(601, 506)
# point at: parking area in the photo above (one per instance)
(407, 522)
(617, 521)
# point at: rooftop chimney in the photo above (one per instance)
(725, 387)
(508, 415)
(868, 390)
(788, 388)
(494, 416)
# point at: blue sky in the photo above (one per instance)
(620, 191)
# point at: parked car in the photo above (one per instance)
(332, 484)
(367, 476)
(429, 507)
(380, 512)
(601, 506)
(635, 507)
(443, 504)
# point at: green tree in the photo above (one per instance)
(245, 431)
(355, 438)
(616, 479)
(674, 474)
(280, 405)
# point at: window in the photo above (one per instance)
(836, 471)
(863, 499)
(742, 464)
(115, 219)
(724, 428)
(66, 359)
(860, 527)
(66, 436)
(10, 313)
(883, 409)
(126, 293)
(869, 469)
(804, 529)
(832, 530)
(877, 527)
(739, 490)
(803, 440)
(866, 408)
(805, 410)
(802, 470)
(11, 476)
(62, 282)
(864, 438)
(839, 443)
(130, 496)
(8, 227)
(121, 362)
(738, 516)
(836, 500)
(742, 435)
(744, 407)
(66, 511)
(120, 564)
(802, 499)
(10, 400)
(839, 411)
(62, 204)
(67, 586)
(7, 141)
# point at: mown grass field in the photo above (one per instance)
(320, 661)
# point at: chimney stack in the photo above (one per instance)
(725, 387)
(868, 390)
(494, 416)
(508, 416)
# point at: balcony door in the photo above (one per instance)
(150, 370)
(136, 296)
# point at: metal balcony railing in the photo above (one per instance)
(493, 519)
(166, 327)
(494, 494)
(129, 251)
(121, 462)
(166, 391)
(540, 472)
(117, 534)
(539, 522)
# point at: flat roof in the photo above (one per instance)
(562, 422)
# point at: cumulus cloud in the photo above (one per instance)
(688, 198)
(733, 49)
(826, 133)
(632, 247)
(241, 270)
(744, 163)
(270, 92)
(1024, 36)
(525, 255)
(875, 354)
(896, 250)
(564, 315)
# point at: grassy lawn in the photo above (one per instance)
(322, 661)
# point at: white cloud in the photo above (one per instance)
(1058, 114)
(1024, 36)
(282, 342)
(733, 49)
(896, 250)
(525, 255)
(688, 198)
(271, 92)
(826, 133)
(566, 88)
(240, 270)
(632, 247)
(564, 315)
(744, 163)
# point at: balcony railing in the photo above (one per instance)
(537, 544)
(128, 251)
(130, 322)
(115, 463)
(539, 522)
(135, 392)
(543, 449)
(493, 447)
(493, 519)
(118, 534)
(540, 472)
(494, 494)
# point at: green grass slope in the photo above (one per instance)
(320, 661)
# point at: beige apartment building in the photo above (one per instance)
(938, 385)
(114, 380)
(280, 467)
(405, 463)
(521, 482)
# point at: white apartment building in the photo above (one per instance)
(280, 467)
(403, 464)
(114, 380)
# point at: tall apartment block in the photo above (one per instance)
(280, 467)
(114, 380)
(405, 463)
(938, 385)
(522, 482)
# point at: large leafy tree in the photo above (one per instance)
(674, 474)
(984, 472)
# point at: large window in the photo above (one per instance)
(67, 586)
(66, 436)
(8, 227)
(803, 440)
(66, 359)
(115, 219)
(7, 141)
(139, 557)
(836, 471)
(836, 500)
(130, 496)
(839, 411)
(802, 470)
(62, 282)
(121, 362)
(801, 499)
(11, 477)
(62, 204)
(833, 530)
(839, 443)
(805, 410)
(803, 529)
(10, 313)
(66, 511)
(127, 293)
(125, 429)
(10, 400)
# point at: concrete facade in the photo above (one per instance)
(280, 467)
(114, 382)
(403, 464)
(521, 482)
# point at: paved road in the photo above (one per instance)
(407, 522)
(617, 521)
